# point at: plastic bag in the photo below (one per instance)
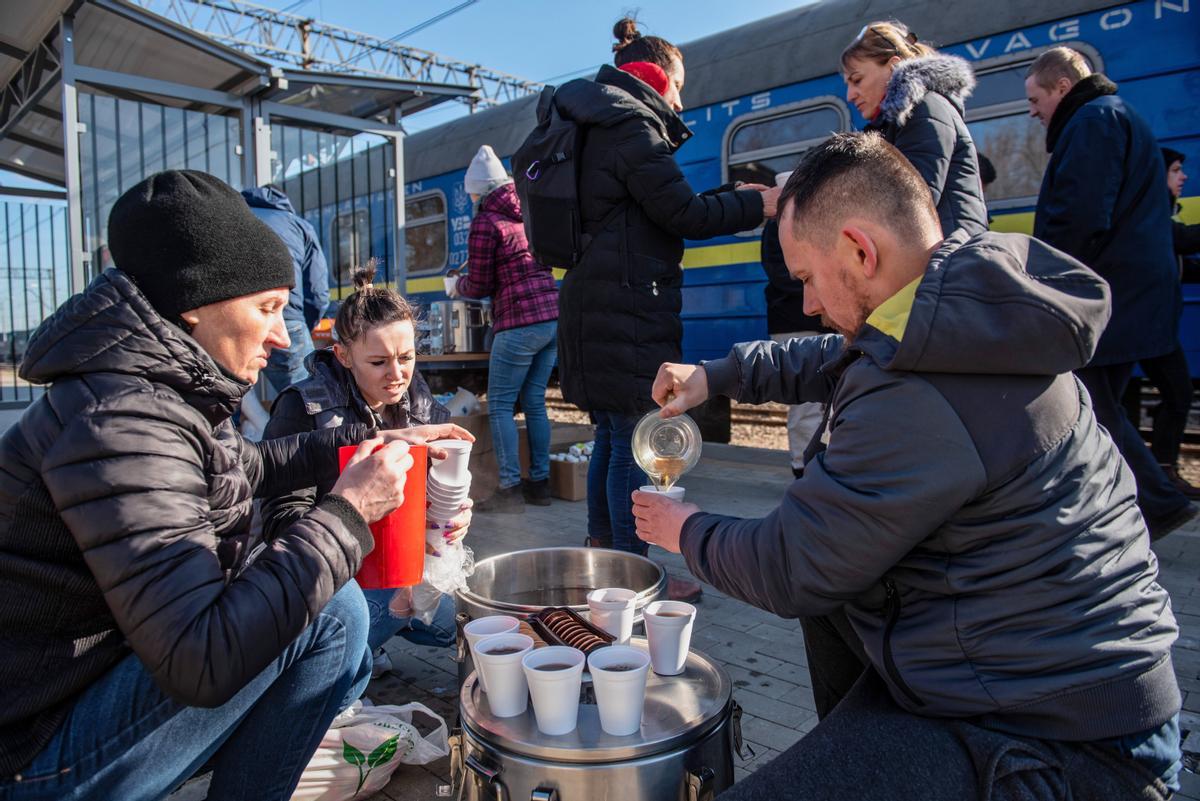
(454, 563)
(362, 749)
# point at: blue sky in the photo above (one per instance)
(533, 39)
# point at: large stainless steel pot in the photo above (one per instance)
(525, 582)
(522, 583)
(684, 751)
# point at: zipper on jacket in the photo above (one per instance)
(889, 664)
(654, 288)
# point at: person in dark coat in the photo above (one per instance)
(146, 631)
(370, 378)
(1104, 201)
(1186, 237)
(967, 521)
(524, 321)
(1169, 373)
(786, 320)
(309, 297)
(914, 96)
(619, 307)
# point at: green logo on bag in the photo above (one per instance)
(381, 755)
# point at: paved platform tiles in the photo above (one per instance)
(763, 653)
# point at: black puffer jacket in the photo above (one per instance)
(125, 500)
(329, 398)
(619, 308)
(922, 115)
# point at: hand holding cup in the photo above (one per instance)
(373, 481)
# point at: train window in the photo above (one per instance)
(1015, 143)
(425, 232)
(765, 143)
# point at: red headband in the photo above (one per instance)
(650, 73)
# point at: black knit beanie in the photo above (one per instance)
(188, 239)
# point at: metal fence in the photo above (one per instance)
(34, 280)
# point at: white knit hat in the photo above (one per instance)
(485, 173)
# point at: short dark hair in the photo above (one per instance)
(1170, 156)
(987, 170)
(857, 173)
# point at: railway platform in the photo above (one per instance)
(763, 654)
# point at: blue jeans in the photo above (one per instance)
(125, 738)
(520, 366)
(438, 633)
(613, 476)
(286, 367)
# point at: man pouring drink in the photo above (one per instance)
(978, 597)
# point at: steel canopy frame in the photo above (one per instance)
(250, 98)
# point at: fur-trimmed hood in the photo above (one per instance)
(949, 76)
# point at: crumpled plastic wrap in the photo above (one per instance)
(445, 573)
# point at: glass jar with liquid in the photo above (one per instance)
(666, 449)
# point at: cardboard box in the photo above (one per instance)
(568, 480)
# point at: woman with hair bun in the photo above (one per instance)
(914, 96)
(619, 306)
(368, 376)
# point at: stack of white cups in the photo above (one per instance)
(449, 481)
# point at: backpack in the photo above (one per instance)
(546, 175)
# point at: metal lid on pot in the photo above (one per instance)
(679, 710)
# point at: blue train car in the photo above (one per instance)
(759, 95)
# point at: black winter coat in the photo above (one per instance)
(1104, 200)
(784, 294)
(125, 504)
(619, 307)
(922, 115)
(328, 398)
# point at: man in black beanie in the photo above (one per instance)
(140, 640)
(187, 239)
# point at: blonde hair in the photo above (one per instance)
(882, 41)
(1058, 63)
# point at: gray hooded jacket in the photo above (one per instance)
(922, 115)
(976, 525)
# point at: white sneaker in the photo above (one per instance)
(381, 663)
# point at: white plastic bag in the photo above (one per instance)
(362, 748)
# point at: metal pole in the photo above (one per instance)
(400, 251)
(80, 259)
(262, 149)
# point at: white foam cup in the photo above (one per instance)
(620, 694)
(452, 471)
(612, 609)
(781, 178)
(669, 633)
(508, 694)
(449, 494)
(555, 693)
(674, 493)
(488, 626)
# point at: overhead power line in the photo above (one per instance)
(310, 44)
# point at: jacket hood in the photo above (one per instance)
(268, 197)
(503, 200)
(615, 96)
(993, 304)
(949, 76)
(1083, 92)
(111, 328)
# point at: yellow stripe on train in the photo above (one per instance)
(748, 252)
